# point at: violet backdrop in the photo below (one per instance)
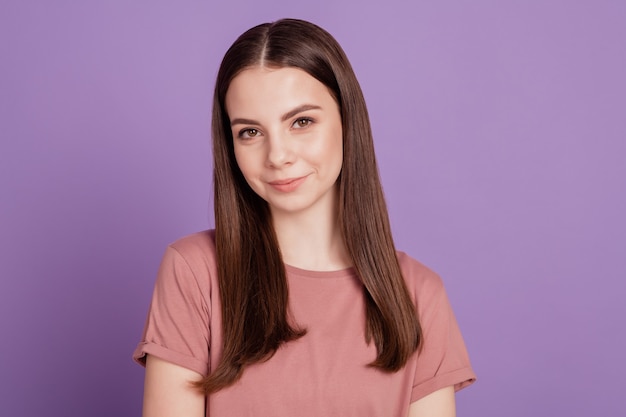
(500, 128)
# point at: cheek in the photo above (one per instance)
(244, 162)
(335, 149)
(331, 146)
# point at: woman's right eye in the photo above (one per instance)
(248, 133)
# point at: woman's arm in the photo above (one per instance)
(168, 392)
(438, 404)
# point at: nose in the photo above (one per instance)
(279, 152)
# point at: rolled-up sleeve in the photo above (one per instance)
(443, 360)
(177, 327)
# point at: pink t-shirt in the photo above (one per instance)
(325, 372)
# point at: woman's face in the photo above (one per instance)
(287, 137)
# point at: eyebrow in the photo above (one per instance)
(284, 117)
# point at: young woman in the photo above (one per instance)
(297, 304)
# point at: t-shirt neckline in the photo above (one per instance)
(341, 273)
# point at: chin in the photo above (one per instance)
(293, 207)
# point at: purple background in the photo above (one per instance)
(500, 129)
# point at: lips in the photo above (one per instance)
(288, 184)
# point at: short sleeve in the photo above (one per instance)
(443, 359)
(177, 327)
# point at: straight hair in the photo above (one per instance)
(251, 274)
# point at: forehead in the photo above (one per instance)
(267, 91)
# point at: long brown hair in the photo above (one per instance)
(252, 278)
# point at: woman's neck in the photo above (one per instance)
(311, 240)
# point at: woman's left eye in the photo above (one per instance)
(302, 122)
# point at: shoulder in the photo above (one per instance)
(190, 259)
(424, 285)
(417, 275)
(197, 248)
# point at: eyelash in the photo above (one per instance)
(308, 121)
(242, 133)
